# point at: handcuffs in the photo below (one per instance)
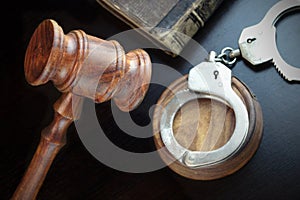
(203, 82)
(211, 79)
(258, 43)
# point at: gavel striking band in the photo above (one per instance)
(79, 65)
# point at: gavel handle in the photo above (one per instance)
(53, 138)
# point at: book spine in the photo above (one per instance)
(175, 33)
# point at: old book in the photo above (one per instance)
(170, 23)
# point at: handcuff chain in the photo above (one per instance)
(228, 56)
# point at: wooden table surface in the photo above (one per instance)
(273, 173)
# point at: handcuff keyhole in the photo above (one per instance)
(250, 40)
(216, 73)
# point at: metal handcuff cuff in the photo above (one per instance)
(213, 80)
(207, 80)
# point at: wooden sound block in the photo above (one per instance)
(214, 129)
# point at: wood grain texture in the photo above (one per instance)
(53, 138)
(87, 66)
(209, 137)
(213, 131)
(274, 173)
(79, 65)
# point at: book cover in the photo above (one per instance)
(170, 23)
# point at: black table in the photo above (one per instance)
(273, 173)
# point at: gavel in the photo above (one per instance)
(79, 65)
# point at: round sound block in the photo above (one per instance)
(214, 127)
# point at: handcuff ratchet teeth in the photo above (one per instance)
(258, 43)
(211, 79)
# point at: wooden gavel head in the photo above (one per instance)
(87, 66)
